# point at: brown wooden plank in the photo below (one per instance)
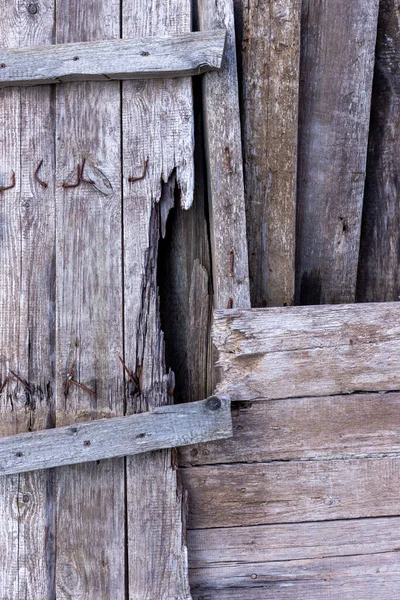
(308, 351)
(350, 426)
(26, 301)
(90, 498)
(378, 275)
(158, 126)
(224, 163)
(338, 45)
(270, 54)
(289, 492)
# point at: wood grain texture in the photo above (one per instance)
(270, 56)
(378, 274)
(335, 97)
(164, 427)
(90, 535)
(26, 309)
(188, 54)
(294, 491)
(157, 122)
(307, 351)
(350, 426)
(224, 163)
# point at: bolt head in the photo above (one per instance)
(33, 9)
(213, 403)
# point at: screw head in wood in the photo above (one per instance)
(213, 403)
(33, 9)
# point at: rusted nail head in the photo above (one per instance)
(33, 9)
(145, 53)
(213, 403)
(87, 443)
(2, 65)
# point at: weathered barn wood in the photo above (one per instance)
(335, 95)
(270, 52)
(26, 310)
(224, 161)
(350, 426)
(308, 351)
(164, 427)
(157, 121)
(288, 492)
(88, 289)
(168, 56)
(378, 275)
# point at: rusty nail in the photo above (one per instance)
(131, 376)
(74, 185)
(22, 381)
(81, 173)
(83, 387)
(143, 175)
(3, 385)
(69, 378)
(37, 178)
(9, 187)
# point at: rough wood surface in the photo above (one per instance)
(224, 163)
(26, 310)
(164, 427)
(335, 96)
(157, 120)
(169, 56)
(270, 54)
(90, 535)
(308, 351)
(289, 492)
(350, 426)
(378, 274)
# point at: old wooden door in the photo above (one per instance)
(303, 501)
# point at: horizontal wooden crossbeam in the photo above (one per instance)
(164, 427)
(141, 58)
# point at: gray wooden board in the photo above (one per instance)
(308, 351)
(348, 426)
(270, 55)
(338, 48)
(286, 492)
(164, 427)
(169, 56)
(378, 272)
(224, 164)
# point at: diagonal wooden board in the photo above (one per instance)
(315, 452)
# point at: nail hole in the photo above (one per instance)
(145, 53)
(3, 66)
(141, 435)
(76, 58)
(74, 430)
(86, 443)
(19, 454)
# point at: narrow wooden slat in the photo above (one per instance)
(189, 54)
(308, 351)
(157, 126)
(165, 427)
(338, 46)
(27, 237)
(238, 547)
(270, 52)
(350, 426)
(224, 161)
(378, 275)
(289, 492)
(90, 552)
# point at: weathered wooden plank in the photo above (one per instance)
(158, 125)
(26, 310)
(378, 274)
(164, 427)
(169, 56)
(289, 492)
(335, 96)
(350, 426)
(269, 36)
(90, 551)
(238, 547)
(308, 351)
(224, 163)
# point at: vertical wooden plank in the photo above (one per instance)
(26, 308)
(90, 498)
(225, 169)
(158, 127)
(379, 275)
(270, 62)
(338, 45)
